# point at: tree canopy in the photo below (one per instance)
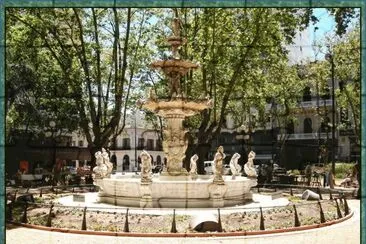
(85, 68)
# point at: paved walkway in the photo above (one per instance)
(345, 232)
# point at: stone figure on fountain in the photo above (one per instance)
(249, 168)
(218, 162)
(100, 170)
(106, 161)
(174, 84)
(145, 167)
(193, 166)
(234, 166)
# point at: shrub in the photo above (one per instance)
(294, 172)
(342, 169)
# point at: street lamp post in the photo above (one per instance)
(272, 118)
(241, 136)
(50, 134)
(135, 146)
(247, 130)
(330, 58)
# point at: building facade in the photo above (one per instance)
(306, 139)
(125, 151)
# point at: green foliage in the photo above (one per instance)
(345, 55)
(86, 68)
(342, 169)
(243, 63)
(343, 18)
(85, 64)
(294, 172)
(39, 220)
(295, 199)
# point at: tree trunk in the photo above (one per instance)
(202, 151)
(189, 153)
(92, 149)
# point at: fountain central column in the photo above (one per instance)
(175, 144)
(177, 107)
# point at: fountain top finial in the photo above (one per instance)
(174, 67)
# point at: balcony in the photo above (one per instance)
(304, 136)
(314, 103)
(307, 104)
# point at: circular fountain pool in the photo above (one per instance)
(174, 192)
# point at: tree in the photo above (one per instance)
(344, 52)
(347, 53)
(240, 52)
(89, 62)
(91, 57)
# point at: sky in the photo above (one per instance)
(303, 47)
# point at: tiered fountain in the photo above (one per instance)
(174, 187)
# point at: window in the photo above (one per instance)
(152, 160)
(326, 93)
(114, 161)
(159, 145)
(126, 144)
(126, 163)
(308, 128)
(158, 160)
(307, 94)
(290, 127)
(141, 142)
(150, 144)
(81, 143)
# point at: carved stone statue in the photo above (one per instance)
(109, 165)
(249, 168)
(234, 166)
(174, 84)
(145, 166)
(100, 170)
(193, 165)
(218, 162)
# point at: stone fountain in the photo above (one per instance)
(174, 187)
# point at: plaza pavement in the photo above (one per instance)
(347, 232)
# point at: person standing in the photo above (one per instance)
(356, 173)
(308, 173)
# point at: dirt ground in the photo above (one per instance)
(275, 218)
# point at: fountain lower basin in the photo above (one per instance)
(175, 192)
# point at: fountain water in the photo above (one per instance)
(175, 188)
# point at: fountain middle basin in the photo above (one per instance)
(175, 192)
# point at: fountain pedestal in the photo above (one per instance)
(175, 142)
(217, 192)
(146, 195)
